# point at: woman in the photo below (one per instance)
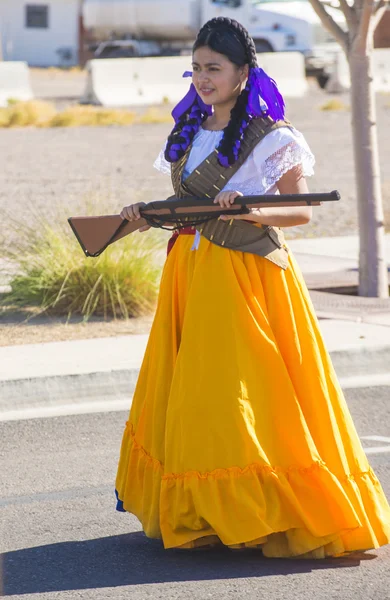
(239, 433)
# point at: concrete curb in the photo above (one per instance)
(362, 361)
(67, 389)
(119, 385)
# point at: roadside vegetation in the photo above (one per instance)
(51, 273)
(335, 104)
(37, 113)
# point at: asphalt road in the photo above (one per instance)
(62, 538)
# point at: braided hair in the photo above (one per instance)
(230, 38)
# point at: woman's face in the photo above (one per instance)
(217, 80)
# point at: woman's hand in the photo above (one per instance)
(131, 213)
(292, 182)
(226, 199)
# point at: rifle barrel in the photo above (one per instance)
(193, 205)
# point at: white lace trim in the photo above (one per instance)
(161, 164)
(273, 168)
(285, 159)
(282, 150)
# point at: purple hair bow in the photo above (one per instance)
(263, 88)
(188, 100)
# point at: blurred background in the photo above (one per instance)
(86, 92)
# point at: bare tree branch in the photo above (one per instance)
(380, 5)
(379, 12)
(349, 11)
(365, 20)
(330, 23)
(358, 5)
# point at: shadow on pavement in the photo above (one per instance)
(133, 559)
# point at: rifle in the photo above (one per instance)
(94, 234)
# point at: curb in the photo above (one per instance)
(67, 389)
(119, 385)
(362, 361)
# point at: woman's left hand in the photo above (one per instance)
(226, 199)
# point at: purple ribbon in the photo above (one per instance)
(263, 88)
(188, 100)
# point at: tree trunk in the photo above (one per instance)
(373, 279)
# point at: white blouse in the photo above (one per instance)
(274, 155)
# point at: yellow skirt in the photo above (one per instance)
(239, 433)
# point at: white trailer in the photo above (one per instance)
(168, 27)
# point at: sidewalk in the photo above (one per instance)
(356, 332)
(329, 263)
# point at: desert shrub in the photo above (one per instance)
(51, 271)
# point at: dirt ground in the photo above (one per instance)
(13, 331)
(44, 167)
(47, 168)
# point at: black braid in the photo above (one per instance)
(225, 24)
(183, 133)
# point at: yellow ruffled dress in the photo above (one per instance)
(239, 433)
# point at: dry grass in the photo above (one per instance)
(51, 275)
(36, 113)
(88, 116)
(154, 115)
(334, 104)
(24, 114)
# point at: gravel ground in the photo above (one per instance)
(51, 170)
(44, 167)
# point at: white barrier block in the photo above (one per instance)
(381, 69)
(136, 81)
(14, 82)
(141, 81)
(288, 70)
(340, 79)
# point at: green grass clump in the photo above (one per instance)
(52, 272)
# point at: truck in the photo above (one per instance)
(118, 28)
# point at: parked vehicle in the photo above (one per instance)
(168, 27)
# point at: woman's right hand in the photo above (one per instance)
(131, 213)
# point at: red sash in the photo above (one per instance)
(185, 231)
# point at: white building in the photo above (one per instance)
(41, 32)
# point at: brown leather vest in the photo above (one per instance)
(210, 177)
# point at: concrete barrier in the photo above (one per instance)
(143, 81)
(14, 82)
(136, 81)
(382, 69)
(340, 79)
(287, 69)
